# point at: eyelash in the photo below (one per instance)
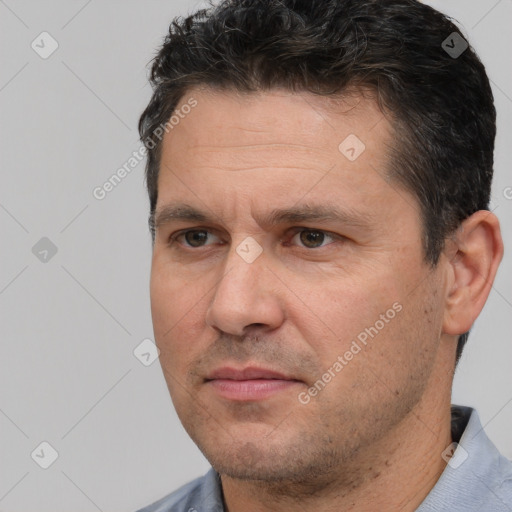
(173, 238)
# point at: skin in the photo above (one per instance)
(372, 438)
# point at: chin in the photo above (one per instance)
(252, 462)
(269, 459)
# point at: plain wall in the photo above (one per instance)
(68, 375)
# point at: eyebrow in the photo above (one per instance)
(296, 214)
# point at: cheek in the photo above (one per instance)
(339, 311)
(163, 301)
(177, 313)
(173, 296)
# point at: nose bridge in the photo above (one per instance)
(242, 296)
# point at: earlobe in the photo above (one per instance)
(473, 254)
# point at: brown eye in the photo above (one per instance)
(314, 238)
(196, 238)
(193, 238)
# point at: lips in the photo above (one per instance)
(249, 384)
(250, 373)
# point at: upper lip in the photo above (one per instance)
(248, 373)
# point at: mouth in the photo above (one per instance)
(249, 384)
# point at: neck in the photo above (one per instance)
(396, 473)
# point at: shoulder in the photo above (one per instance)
(487, 467)
(498, 481)
(477, 477)
(201, 494)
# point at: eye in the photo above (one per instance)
(313, 238)
(309, 238)
(192, 238)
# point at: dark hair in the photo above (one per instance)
(440, 103)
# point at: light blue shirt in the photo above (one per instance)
(477, 478)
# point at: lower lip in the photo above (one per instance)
(255, 389)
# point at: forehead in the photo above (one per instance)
(270, 125)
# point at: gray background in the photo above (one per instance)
(68, 375)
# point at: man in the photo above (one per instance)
(319, 175)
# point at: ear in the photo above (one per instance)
(473, 256)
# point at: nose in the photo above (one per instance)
(247, 295)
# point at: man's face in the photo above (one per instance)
(252, 312)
